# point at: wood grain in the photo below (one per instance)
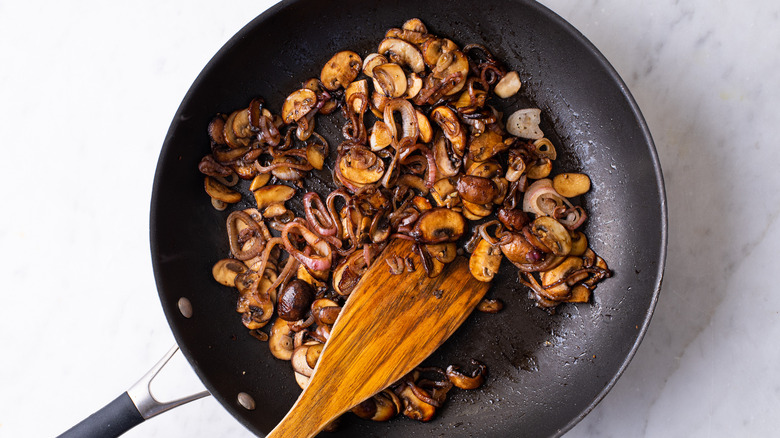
(389, 325)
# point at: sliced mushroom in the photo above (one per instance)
(354, 88)
(571, 184)
(302, 380)
(439, 225)
(325, 311)
(579, 294)
(280, 340)
(361, 166)
(219, 191)
(478, 210)
(254, 302)
(477, 189)
(447, 162)
(260, 180)
(485, 261)
(231, 137)
(555, 281)
(381, 407)
(298, 104)
(552, 234)
(298, 359)
(539, 169)
(275, 194)
(315, 154)
(413, 85)
(348, 273)
(380, 137)
(390, 79)
(515, 166)
(508, 86)
(486, 169)
(463, 381)
(372, 61)
(446, 118)
(226, 270)
(524, 123)
(443, 252)
(445, 193)
(486, 146)
(402, 52)
(426, 132)
(579, 243)
(459, 67)
(340, 70)
(415, 408)
(434, 48)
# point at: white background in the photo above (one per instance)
(88, 89)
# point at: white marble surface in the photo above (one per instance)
(88, 88)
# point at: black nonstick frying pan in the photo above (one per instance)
(546, 371)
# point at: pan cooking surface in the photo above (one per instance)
(545, 371)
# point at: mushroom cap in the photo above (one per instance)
(439, 225)
(298, 104)
(267, 195)
(402, 52)
(485, 261)
(390, 79)
(340, 70)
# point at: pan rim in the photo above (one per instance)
(265, 17)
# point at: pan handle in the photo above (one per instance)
(129, 409)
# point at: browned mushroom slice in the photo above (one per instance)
(413, 86)
(519, 251)
(439, 225)
(372, 61)
(381, 407)
(552, 234)
(231, 137)
(357, 88)
(434, 48)
(298, 104)
(426, 132)
(539, 169)
(280, 341)
(477, 189)
(315, 154)
(445, 193)
(340, 70)
(325, 311)
(556, 281)
(448, 121)
(486, 169)
(513, 219)
(544, 148)
(571, 184)
(254, 302)
(390, 79)
(478, 211)
(221, 192)
(464, 381)
(443, 252)
(259, 180)
(300, 357)
(361, 166)
(216, 129)
(226, 270)
(414, 407)
(459, 66)
(380, 137)
(486, 146)
(265, 196)
(485, 261)
(515, 166)
(403, 53)
(579, 243)
(447, 162)
(348, 273)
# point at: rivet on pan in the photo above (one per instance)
(246, 401)
(185, 307)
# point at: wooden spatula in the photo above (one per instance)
(389, 324)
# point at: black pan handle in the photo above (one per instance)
(129, 409)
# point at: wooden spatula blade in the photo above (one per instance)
(389, 325)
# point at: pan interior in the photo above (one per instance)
(546, 372)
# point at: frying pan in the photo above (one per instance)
(546, 371)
